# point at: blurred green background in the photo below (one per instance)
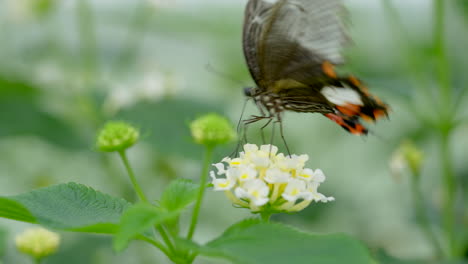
(68, 66)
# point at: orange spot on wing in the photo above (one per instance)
(356, 128)
(328, 69)
(355, 81)
(366, 118)
(349, 109)
(379, 113)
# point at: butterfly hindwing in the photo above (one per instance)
(291, 39)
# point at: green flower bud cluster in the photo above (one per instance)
(37, 242)
(211, 130)
(117, 136)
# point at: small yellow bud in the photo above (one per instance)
(408, 155)
(413, 156)
(117, 136)
(212, 130)
(37, 242)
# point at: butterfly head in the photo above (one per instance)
(249, 91)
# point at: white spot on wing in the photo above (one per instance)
(270, 1)
(341, 95)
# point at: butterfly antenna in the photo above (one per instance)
(226, 76)
(240, 129)
(242, 115)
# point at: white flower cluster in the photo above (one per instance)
(261, 179)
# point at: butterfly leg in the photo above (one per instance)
(272, 136)
(279, 120)
(262, 132)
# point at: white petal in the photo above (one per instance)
(260, 201)
(275, 175)
(222, 184)
(270, 149)
(306, 174)
(249, 148)
(220, 167)
(319, 176)
(212, 175)
(241, 193)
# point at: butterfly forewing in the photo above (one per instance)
(289, 39)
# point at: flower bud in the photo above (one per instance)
(409, 156)
(212, 130)
(37, 242)
(117, 136)
(413, 156)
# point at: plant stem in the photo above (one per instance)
(446, 127)
(133, 179)
(442, 62)
(166, 238)
(265, 216)
(143, 198)
(37, 260)
(203, 179)
(156, 244)
(449, 195)
(421, 214)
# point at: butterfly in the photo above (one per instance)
(292, 48)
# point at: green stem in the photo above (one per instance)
(143, 198)
(421, 214)
(408, 51)
(265, 216)
(449, 195)
(156, 244)
(203, 179)
(166, 238)
(37, 260)
(446, 127)
(133, 179)
(442, 62)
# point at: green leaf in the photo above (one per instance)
(179, 194)
(70, 206)
(138, 219)
(255, 242)
(13, 210)
(141, 217)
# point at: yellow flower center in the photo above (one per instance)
(295, 192)
(224, 184)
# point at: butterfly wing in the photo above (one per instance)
(291, 47)
(290, 39)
